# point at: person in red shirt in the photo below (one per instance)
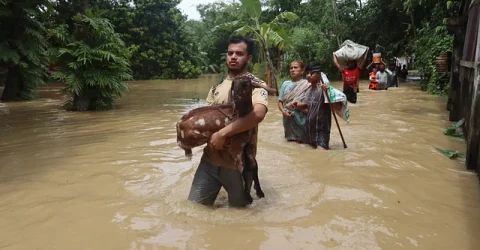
(351, 76)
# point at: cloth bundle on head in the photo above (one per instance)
(350, 51)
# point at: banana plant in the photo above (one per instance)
(206, 67)
(267, 35)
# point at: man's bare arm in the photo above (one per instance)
(335, 60)
(364, 59)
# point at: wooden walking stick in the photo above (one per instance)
(334, 116)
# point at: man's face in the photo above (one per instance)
(352, 64)
(237, 57)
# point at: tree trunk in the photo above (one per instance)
(335, 19)
(81, 103)
(455, 94)
(84, 5)
(12, 85)
(270, 68)
(412, 20)
(12, 89)
(280, 55)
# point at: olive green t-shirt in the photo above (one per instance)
(222, 158)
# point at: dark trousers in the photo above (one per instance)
(393, 82)
(325, 115)
(208, 181)
(351, 95)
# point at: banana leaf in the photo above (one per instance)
(450, 153)
(452, 130)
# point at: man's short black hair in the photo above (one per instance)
(239, 39)
(313, 67)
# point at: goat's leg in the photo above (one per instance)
(252, 166)
(237, 151)
(258, 188)
(247, 173)
(247, 179)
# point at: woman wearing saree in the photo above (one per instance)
(293, 120)
(317, 111)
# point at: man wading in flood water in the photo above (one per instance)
(217, 168)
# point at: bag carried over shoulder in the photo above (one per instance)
(337, 96)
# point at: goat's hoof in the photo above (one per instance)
(260, 194)
(188, 154)
(249, 198)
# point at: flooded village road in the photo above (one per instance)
(117, 180)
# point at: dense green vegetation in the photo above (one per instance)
(98, 44)
(94, 63)
(23, 48)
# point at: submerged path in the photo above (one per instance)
(117, 180)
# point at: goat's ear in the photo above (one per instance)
(271, 90)
(264, 86)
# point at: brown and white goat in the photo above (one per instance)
(195, 128)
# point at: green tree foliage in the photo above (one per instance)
(267, 35)
(23, 48)
(154, 29)
(392, 27)
(314, 38)
(160, 43)
(309, 44)
(195, 30)
(432, 41)
(94, 63)
(211, 38)
(163, 44)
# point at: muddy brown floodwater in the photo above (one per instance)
(117, 180)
